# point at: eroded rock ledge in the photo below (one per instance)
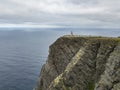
(82, 63)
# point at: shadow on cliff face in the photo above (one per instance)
(82, 63)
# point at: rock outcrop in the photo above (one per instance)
(82, 63)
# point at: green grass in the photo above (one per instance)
(91, 86)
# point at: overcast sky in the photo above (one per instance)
(74, 13)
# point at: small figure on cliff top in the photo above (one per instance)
(71, 33)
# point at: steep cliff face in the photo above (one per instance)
(82, 63)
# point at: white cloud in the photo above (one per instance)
(30, 25)
(91, 13)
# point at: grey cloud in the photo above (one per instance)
(90, 13)
(87, 2)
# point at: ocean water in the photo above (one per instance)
(23, 51)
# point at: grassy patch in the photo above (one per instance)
(91, 86)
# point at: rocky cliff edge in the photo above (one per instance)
(82, 63)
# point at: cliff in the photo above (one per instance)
(82, 63)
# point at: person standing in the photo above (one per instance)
(71, 33)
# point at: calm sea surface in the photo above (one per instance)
(23, 51)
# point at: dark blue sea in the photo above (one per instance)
(23, 51)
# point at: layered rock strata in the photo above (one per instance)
(82, 63)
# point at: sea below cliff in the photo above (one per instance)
(23, 51)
